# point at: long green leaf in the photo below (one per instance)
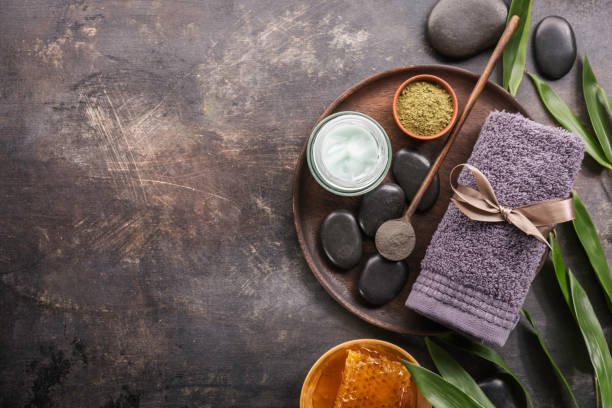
(594, 339)
(585, 317)
(527, 316)
(589, 238)
(452, 372)
(562, 113)
(596, 391)
(559, 266)
(606, 101)
(597, 111)
(515, 52)
(482, 351)
(439, 392)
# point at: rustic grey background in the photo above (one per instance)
(147, 252)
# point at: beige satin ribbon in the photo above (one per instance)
(533, 219)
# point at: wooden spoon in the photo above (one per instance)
(395, 239)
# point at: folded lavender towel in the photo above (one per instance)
(475, 275)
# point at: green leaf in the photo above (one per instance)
(439, 392)
(516, 50)
(597, 111)
(527, 316)
(585, 317)
(482, 351)
(560, 271)
(452, 372)
(589, 238)
(562, 113)
(606, 102)
(596, 391)
(594, 339)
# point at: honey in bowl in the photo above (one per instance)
(362, 373)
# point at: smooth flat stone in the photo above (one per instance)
(409, 170)
(554, 47)
(462, 28)
(385, 202)
(341, 239)
(503, 392)
(382, 280)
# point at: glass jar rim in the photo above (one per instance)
(346, 191)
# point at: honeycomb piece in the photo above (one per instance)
(369, 381)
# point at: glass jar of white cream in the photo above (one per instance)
(349, 153)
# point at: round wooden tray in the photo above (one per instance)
(311, 203)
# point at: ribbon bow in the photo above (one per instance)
(532, 219)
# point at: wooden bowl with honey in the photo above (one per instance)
(362, 373)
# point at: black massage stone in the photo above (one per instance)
(385, 202)
(503, 392)
(341, 239)
(555, 47)
(382, 280)
(409, 170)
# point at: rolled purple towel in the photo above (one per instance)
(475, 275)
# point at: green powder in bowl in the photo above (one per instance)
(424, 108)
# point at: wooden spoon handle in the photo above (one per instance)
(482, 81)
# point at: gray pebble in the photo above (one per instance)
(462, 28)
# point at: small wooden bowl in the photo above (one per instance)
(312, 379)
(436, 80)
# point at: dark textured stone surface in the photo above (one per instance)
(409, 170)
(341, 239)
(462, 28)
(554, 47)
(503, 392)
(382, 280)
(186, 287)
(384, 203)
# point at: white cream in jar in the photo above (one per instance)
(349, 153)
